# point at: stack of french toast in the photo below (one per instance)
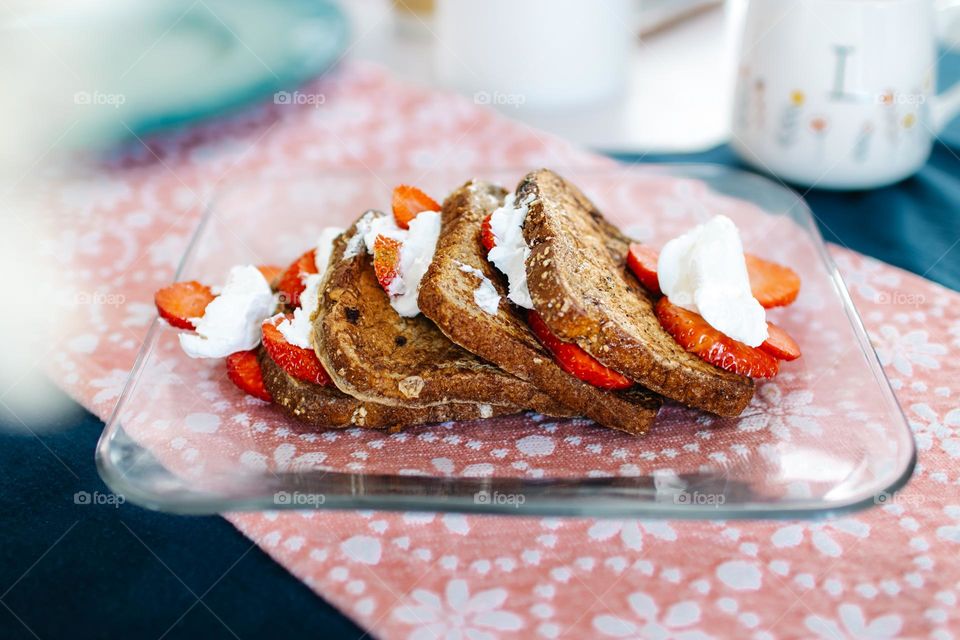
(490, 304)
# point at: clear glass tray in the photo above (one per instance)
(826, 436)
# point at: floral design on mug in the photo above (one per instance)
(861, 146)
(819, 125)
(890, 115)
(790, 118)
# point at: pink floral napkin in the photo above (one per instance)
(889, 572)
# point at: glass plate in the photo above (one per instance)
(204, 58)
(825, 436)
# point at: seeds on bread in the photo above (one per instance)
(504, 338)
(580, 286)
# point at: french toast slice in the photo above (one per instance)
(580, 285)
(375, 355)
(330, 408)
(447, 296)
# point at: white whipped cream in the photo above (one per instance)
(325, 247)
(704, 271)
(418, 244)
(485, 295)
(357, 240)
(416, 254)
(510, 251)
(298, 330)
(382, 224)
(231, 322)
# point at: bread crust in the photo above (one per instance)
(581, 286)
(375, 355)
(330, 408)
(447, 297)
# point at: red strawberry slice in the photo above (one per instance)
(244, 371)
(291, 283)
(181, 301)
(408, 202)
(386, 260)
(772, 284)
(486, 234)
(642, 260)
(298, 362)
(780, 344)
(694, 334)
(575, 360)
(270, 273)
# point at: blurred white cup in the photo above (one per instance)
(839, 95)
(536, 53)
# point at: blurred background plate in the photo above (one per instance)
(172, 62)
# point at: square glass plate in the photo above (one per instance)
(825, 436)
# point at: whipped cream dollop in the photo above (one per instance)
(704, 271)
(231, 322)
(485, 295)
(325, 247)
(416, 254)
(510, 251)
(298, 330)
(418, 244)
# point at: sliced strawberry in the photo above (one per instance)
(298, 362)
(408, 202)
(270, 272)
(291, 283)
(486, 234)
(181, 301)
(696, 336)
(772, 284)
(244, 371)
(575, 360)
(642, 260)
(386, 260)
(779, 344)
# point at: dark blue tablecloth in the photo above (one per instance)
(99, 571)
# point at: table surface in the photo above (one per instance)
(126, 572)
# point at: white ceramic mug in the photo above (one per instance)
(541, 54)
(839, 93)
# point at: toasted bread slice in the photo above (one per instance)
(375, 355)
(581, 287)
(330, 408)
(447, 296)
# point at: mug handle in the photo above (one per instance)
(946, 105)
